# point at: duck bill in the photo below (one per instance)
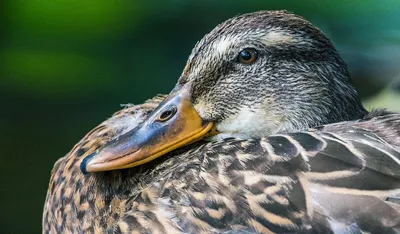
(153, 138)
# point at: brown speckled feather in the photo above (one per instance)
(78, 203)
(334, 178)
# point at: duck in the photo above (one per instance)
(262, 133)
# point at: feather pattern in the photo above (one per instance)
(334, 178)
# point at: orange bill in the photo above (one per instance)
(173, 124)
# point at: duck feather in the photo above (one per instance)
(338, 178)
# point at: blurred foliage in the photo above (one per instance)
(65, 65)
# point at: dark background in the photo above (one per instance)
(66, 65)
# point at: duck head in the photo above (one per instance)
(252, 76)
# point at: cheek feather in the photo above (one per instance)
(250, 123)
(203, 108)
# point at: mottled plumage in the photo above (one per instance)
(341, 177)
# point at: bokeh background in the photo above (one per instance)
(66, 65)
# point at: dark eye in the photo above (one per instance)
(167, 114)
(247, 56)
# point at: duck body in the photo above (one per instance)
(263, 133)
(310, 181)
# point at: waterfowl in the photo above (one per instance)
(263, 133)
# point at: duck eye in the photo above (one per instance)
(167, 114)
(247, 56)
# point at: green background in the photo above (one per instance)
(66, 65)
